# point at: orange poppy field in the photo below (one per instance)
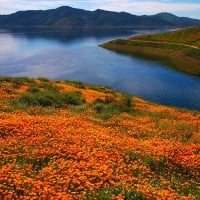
(70, 140)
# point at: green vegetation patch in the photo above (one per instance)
(43, 79)
(190, 36)
(16, 80)
(108, 194)
(188, 51)
(109, 107)
(54, 99)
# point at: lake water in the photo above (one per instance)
(75, 55)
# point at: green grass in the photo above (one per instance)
(46, 94)
(190, 36)
(109, 192)
(17, 80)
(132, 155)
(83, 85)
(100, 88)
(37, 164)
(43, 79)
(54, 99)
(110, 107)
(156, 165)
(188, 51)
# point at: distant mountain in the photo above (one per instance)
(181, 21)
(67, 17)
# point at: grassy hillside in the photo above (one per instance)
(190, 36)
(178, 50)
(69, 140)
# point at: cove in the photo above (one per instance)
(76, 55)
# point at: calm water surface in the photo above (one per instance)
(75, 55)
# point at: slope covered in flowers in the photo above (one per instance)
(80, 151)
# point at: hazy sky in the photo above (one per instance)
(188, 8)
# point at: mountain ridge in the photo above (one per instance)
(68, 17)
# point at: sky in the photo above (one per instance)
(186, 8)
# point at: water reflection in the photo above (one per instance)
(8, 44)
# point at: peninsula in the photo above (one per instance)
(179, 49)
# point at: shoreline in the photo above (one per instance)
(179, 50)
(173, 58)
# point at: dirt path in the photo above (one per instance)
(180, 44)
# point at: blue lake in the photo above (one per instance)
(75, 55)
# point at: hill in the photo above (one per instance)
(68, 17)
(179, 49)
(189, 36)
(70, 140)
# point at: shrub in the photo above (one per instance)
(156, 165)
(54, 99)
(6, 79)
(100, 88)
(110, 106)
(106, 111)
(126, 102)
(33, 89)
(43, 79)
(17, 82)
(79, 84)
(132, 155)
(20, 80)
(48, 87)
